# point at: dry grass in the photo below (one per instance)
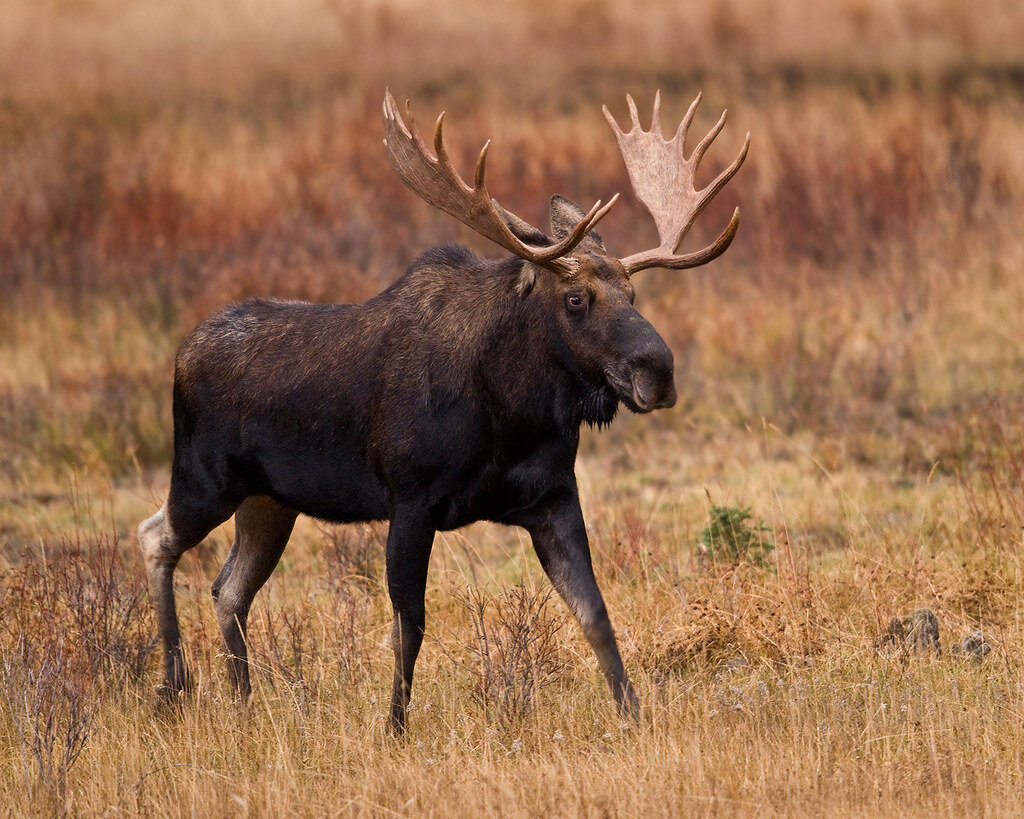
(851, 370)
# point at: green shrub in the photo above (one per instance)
(731, 537)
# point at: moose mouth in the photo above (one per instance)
(641, 392)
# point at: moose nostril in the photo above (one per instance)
(655, 359)
(651, 391)
(668, 399)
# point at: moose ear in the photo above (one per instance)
(521, 229)
(565, 215)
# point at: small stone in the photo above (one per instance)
(918, 633)
(736, 665)
(924, 631)
(973, 647)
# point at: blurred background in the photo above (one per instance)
(160, 159)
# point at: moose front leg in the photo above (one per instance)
(408, 555)
(560, 539)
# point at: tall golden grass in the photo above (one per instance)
(851, 369)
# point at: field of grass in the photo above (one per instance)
(851, 370)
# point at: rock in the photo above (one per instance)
(924, 631)
(973, 647)
(736, 665)
(918, 634)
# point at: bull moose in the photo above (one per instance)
(455, 395)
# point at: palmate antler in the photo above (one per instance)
(435, 180)
(663, 180)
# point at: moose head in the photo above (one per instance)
(605, 334)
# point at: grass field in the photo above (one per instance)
(851, 370)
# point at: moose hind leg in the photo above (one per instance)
(262, 529)
(162, 544)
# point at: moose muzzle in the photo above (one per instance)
(643, 378)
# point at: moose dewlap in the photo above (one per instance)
(455, 395)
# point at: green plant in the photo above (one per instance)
(731, 537)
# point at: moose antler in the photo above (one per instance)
(663, 178)
(435, 180)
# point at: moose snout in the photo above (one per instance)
(643, 376)
(651, 376)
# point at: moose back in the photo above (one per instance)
(455, 395)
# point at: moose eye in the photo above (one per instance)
(575, 302)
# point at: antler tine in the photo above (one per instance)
(699, 257)
(710, 191)
(632, 111)
(656, 117)
(478, 177)
(720, 181)
(612, 123)
(704, 144)
(588, 222)
(684, 126)
(413, 127)
(391, 114)
(663, 180)
(439, 150)
(444, 160)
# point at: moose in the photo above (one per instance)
(455, 395)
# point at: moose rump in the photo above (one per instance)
(258, 411)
